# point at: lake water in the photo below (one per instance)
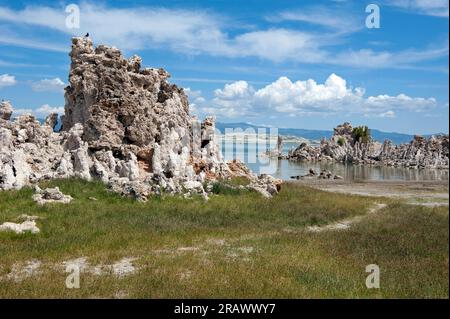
(284, 169)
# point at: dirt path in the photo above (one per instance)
(346, 223)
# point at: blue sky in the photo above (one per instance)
(303, 64)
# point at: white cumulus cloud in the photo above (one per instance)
(7, 80)
(236, 90)
(40, 112)
(48, 85)
(47, 109)
(286, 96)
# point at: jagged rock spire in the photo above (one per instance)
(118, 102)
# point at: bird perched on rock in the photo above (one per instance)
(87, 35)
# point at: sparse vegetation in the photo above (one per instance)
(361, 134)
(242, 245)
(341, 141)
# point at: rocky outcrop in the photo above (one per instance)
(432, 152)
(121, 106)
(26, 226)
(324, 174)
(266, 185)
(28, 152)
(124, 125)
(344, 147)
(5, 110)
(51, 120)
(50, 195)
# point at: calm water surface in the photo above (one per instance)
(284, 169)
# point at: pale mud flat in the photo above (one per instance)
(426, 193)
(346, 223)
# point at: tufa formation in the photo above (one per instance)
(345, 147)
(124, 125)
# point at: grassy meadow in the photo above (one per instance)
(237, 244)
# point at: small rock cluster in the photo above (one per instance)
(264, 184)
(324, 174)
(124, 125)
(421, 152)
(50, 195)
(27, 225)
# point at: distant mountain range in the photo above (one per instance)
(317, 135)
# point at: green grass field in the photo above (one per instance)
(235, 245)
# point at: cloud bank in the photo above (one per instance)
(240, 99)
(194, 32)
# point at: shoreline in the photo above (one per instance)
(377, 164)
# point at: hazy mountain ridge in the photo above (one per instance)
(396, 138)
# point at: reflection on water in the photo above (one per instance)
(284, 169)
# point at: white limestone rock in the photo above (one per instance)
(50, 195)
(20, 228)
(51, 120)
(6, 110)
(129, 168)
